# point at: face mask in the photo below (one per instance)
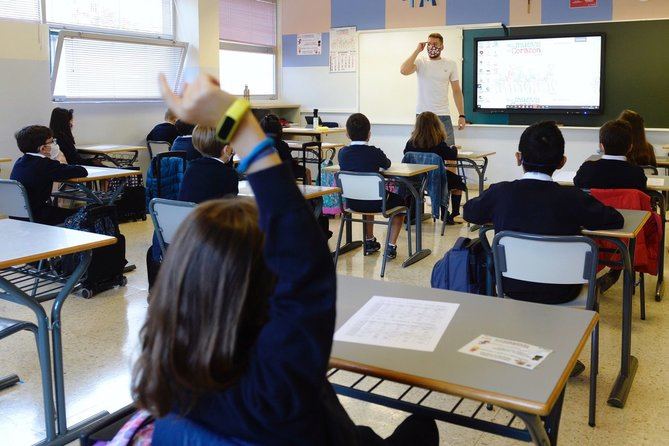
(55, 151)
(433, 51)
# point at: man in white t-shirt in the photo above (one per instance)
(434, 75)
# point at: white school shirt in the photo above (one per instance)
(536, 176)
(434, 78)
(614, 157)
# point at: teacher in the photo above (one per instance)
(434, 75)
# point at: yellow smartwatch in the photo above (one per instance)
(227, 126)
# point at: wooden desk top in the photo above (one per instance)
(396, 169)
(563, 330)
(103, 173)
(5, 160)
(634, 221)
(566, 178)
(473, 154)
(324, 146)
(662, 161)
(109, 148)
(309, 191)
(665, 147)
(25, 242)
(318, 131)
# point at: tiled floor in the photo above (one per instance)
(100, 341)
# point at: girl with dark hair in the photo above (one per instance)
(642, 152)
(271, 125)
(61, 123)
(239, 328)
(429, 135)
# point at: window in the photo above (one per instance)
(248, 47)
(152, 17)
(21, 10)
(112, 68)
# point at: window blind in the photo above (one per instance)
(98, 69)
(248, 21)
(21, 10)
(152, 17)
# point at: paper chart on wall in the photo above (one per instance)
(309, 44)
(343, 50)
(400, 323)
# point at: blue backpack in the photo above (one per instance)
(466, 267)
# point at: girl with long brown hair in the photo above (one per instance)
(642, 152)
(239, 329)
(429, 135)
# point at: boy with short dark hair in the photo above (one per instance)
(535, 204)
(613, 170)
(37, 172)
(359, 156)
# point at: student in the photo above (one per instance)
(429, 135)
(271, 125)
(210, 176)
(61, 123)
(165, 131)
(537, 205)
(642, 152)
(37, 172)
(239, 330)
(612, 171)
(359, 156)
(184, 141)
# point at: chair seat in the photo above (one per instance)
(395, 210)
(582, 299)
(10, 326)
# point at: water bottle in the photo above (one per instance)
(316, 121)
(247, 93)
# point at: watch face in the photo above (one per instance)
(226, 128)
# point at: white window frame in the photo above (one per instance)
(262, 49)
(63, 34)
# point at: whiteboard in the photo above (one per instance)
(384, 94)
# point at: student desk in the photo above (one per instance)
(317, 149)
(401, 173)
(634, 222)
(315, 134)
(5, 160)
(469, 159)
(111, 152)
(84, 192)
(309, 192)
(31, 242)
(528, 394)
(657, 193)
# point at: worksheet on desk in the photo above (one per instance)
(399, 323)
(657, 182)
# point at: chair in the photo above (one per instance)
(649, 170)
(14, 200)
(553, 260)
(156, 147)
(167, 215)
(366, 186)
(104, 429)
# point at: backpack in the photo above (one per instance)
(466, 267)
(332, 202)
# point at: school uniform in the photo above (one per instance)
(361, 157)
(208, 178)
(537, 205)
(37, 174)
(69, 150)
(185, 144)
(447, 153)
(610, 172)
(165, 131)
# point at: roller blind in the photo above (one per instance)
(152, 17)
(94, 67)
(21, 10)
(248, 21)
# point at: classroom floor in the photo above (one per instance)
(100, 339)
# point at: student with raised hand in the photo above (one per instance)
(37, 172)
(642, 152)
(429, 135)
(239, 330)
(535, 204)
(359, 156)
(61, 123)
(165, 131)
(613, 170)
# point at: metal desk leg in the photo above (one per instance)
(659, 289)
(418, 195)
(350, 244)
(628, 363)
(66, 435)
(535, 427)
(19, 297)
